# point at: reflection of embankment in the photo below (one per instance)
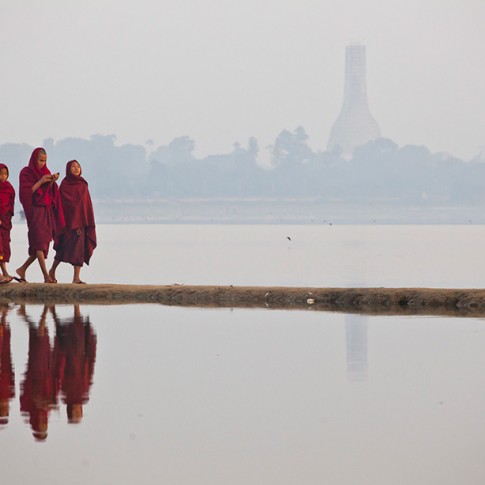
(402, 301)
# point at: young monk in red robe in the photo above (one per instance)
(77, 240)
(7, 200)
(39, 195)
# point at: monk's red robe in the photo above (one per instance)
(7, 202)
(42, 208)
(76, 242)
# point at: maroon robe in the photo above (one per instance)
(42, 208)
(38, 391)
(7, 380)
(77, 240)
(7, 201)
(75, 354)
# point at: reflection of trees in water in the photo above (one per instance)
(7, 380)
(63, 370)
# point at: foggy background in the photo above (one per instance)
(230, 99)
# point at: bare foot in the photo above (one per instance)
(50, 280)
(78, 282)
(52, 275)
(21, 272)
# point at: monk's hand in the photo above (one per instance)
(55, 176)
(46, 178)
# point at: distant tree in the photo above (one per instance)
(291, 148)
(111, 170)
(253, 148)
(382, 149)
(227, 174)
(178, 151)
(412, 154)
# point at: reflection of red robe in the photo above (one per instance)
(7, 380)
(76, 357)
(38, 393)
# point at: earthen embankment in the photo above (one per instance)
(390, 301)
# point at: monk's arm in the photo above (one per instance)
(41, 181)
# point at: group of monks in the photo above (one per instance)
(61, 214)
(64, 369)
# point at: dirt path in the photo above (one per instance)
(391, 301)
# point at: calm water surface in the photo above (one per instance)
(399, 256)
(195, 396)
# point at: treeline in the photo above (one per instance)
(379, 170)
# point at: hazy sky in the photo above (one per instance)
(221, 71)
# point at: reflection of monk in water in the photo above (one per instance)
(7, 382)
(75, 351)
(38, 394)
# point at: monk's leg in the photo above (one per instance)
(77, 275)
(3, 266)
(52, 271)
(43, 267)
(22, 270)
(4, 277)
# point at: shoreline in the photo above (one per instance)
(370, 301)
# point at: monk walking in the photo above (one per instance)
(39, 196)
(7, 202)
(77, 240)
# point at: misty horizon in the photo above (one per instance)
(226, 71)
(151, 147)
(241, 100)
(380, 182)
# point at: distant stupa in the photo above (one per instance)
(355, 125)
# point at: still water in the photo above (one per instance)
(149, 394)
(392, 256)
